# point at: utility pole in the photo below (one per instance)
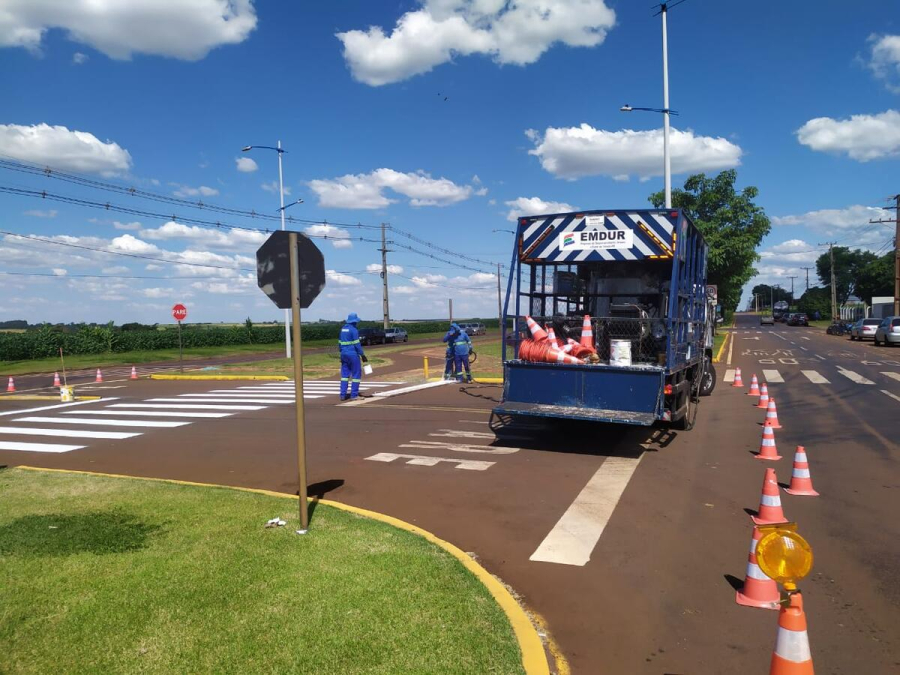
(451, 310)
(384, 276)
(896, 221)
(499, 301)
(792, 290)
(807, 276)
(834, 312)
(667, 166)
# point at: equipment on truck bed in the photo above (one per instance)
(625, 292)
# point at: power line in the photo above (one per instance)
(104, 276)
(435, 247)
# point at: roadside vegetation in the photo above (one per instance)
(114, 575)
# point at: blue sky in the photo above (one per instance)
(443, 118)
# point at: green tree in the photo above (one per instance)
(769, 295)
(732, 225)
(816, 299)
(248, 324)
(876, 278)
(851, 266)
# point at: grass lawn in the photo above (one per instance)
(113, 575)
(315, 365)
(75, 362)
(717, 342)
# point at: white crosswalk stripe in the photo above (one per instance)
(221, 400)
(150, 413)
(67, 433)
(893, 376)
(729, 375)
(38, 447)
(814, 377)
(149, 424)
(854, 377)
(772, 377)
(187, 406)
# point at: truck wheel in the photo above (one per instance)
(709, 379)
(686, 423)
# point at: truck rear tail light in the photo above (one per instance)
(668, 390)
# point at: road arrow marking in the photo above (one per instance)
(421, 460)
(459, 447)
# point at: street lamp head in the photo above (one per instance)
(246, 148)
(626, 108)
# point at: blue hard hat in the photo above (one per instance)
(352, 318)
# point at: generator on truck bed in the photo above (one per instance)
(638, 278)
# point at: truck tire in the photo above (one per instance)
(708, 384)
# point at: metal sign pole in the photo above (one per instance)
(180, 349)
(298, 383)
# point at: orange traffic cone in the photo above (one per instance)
(772, 415)
(759, 590)
(11, 386)
(754, 386)
(558, 356)
(801, 483)
(763, 397)
(770, 511)
(99, 377)
(738, 382)
(587, 334)
(56, 381)
(551, 335)
(792, 655)
(537, 333)
(767, 448)
(133, 373)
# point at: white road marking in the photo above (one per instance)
(93, 388)
(187, 406)
(38, 447)
(420, 460)
(779, 335)
(814, 377)
(772, 376)
(221, 400)
(573, 538)
(402, 390)
(459, 447)
(474, 422)
(893, 396)
(729, 375)
(753, 338)
(730, 349)
(820, 357)
(67, 433)
(147, 413)
(803, 337)
(53, 407)
(893, 376)
(232, 392)
(804, 349)
(106, 423)
(854, 377)
(463, 433)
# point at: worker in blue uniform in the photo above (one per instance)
(351, 354)
(461, 343)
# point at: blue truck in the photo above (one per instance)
(640, 275)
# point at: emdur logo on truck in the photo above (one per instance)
(587, 240)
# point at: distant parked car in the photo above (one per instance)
(474, 328)
(864, 329)
(395, 335)
(798, 319)
(371, 336)
(766, 319)
(888, 331)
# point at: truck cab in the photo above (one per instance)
(636, 279)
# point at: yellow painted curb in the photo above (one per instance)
(534, 658)
(718, 358)
(36, 397)
(159, 376)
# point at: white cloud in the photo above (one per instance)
(207, 237)
(862, 137)
(375, 268)
(366, 191)
(130, 244)
(273, 188)
(481, 192)
(134, 225)
(510, 32)
(535, 206)
(885, 60)
(78, 58)
(244, 284)
(829, 220)
(182, 29)
(116, 269)
(60, 272)
(159, 293)
(246, 164)
(38, 213)
(574, 152)
(63, 149)
(153, 267)
(339, 238)
(341, 279)
(795, 252)
(202, 191)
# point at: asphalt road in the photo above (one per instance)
(653, 590)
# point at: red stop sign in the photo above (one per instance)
(179, 311)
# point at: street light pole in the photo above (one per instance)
(287, 312)
(666, 160)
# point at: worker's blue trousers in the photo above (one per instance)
(351, 374)
(462, 361)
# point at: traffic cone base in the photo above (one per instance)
(770, 511)
(767, 448)
(801, 483)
